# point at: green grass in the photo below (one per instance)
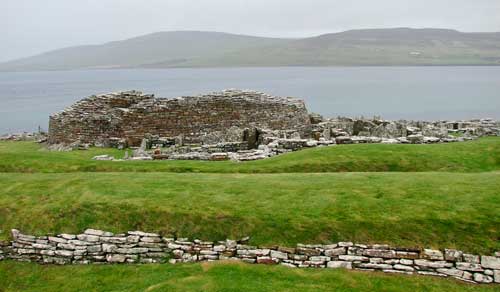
(410, 209)
(212, 277)
(440, 196)
(475, 156)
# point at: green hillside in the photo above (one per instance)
(391, 47)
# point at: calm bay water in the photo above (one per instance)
(28, 98)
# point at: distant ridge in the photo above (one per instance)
(364, 47)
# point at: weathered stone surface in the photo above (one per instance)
(87, 238)
(490, 262)
(480, 278)
(48, 252)
(433, 264)
(353, 258)
(94, 248)
(132, 238)
(469, 267)
(406, 262)
(432, 254)
(308, 251)
(135, 250)
(403, 267)
(97, 232)
(470, 258)
(150, 239)
(64, 253)
(375, 266)
(266, 261)
(451, 272)
(319, 259)
(57, 239)
(453, 255)
(335, 251)
(339, 264)
(381, 253)
(140, 233)
(279, 255)
(496, 275)
(115, 258)
(68, 236)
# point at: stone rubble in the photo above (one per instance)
(39, 137)
(101, 247)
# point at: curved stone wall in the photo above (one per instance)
(96, 246)
(131, 115)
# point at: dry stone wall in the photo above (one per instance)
(132, 115)
(101, 247)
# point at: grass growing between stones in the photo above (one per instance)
(211, 277)
(442, 210)
(474, 156)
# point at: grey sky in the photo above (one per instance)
(28, 27)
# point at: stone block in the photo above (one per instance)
(432, 254)
(115, 258)
(87, 238)
(403, 267)
(278, 255)
(352, 258)
(469, 267)
(433, 264)
(453, 255)
(481, 278)
(380, 253)
(490, 262)
(496, 275)
(266, 261)
(97, 232)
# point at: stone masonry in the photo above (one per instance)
(132, 115)
(101, 247)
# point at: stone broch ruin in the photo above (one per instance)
(131, 115)
(240, 125)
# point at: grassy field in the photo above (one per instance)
(425, 209)
(212, 277)
(475, 156)
(441, 196)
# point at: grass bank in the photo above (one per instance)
(212, 277)
(408, 209)
(474, 156)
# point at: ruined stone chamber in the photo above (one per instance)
(230, 115)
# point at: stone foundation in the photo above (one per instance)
(101, 247)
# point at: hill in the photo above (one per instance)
(396, 46)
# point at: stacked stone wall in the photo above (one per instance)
(133, 115)
(99, 247)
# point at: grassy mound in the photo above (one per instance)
(212, 277)
(475, 156)
(409, 209)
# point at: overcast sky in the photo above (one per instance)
(29, 27)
